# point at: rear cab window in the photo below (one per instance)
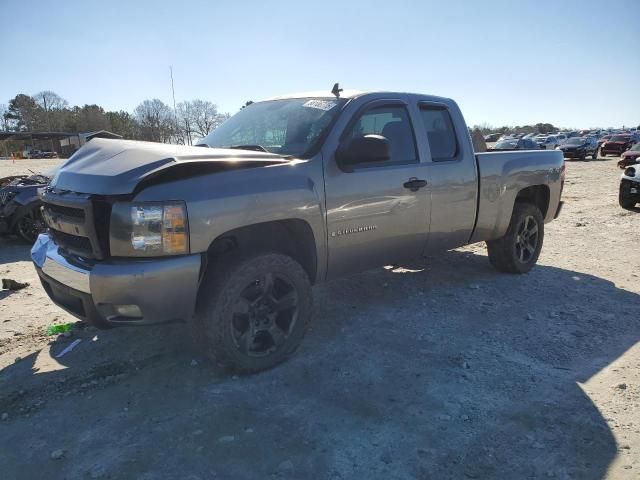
(441, 135)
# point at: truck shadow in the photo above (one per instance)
(444, 369)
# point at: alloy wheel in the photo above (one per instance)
(526, 239)
(264, 315)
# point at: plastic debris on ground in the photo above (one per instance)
(71, 346)
(60, 328)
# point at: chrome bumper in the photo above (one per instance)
(159, 289)
(45, 256)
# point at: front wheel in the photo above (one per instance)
(625, 197)
(518, 250)
(594, 156)
(254, 311)
(30, 224)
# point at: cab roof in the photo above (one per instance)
(318, 94)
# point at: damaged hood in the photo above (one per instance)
(116, 167)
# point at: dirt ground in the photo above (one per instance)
(445, 370)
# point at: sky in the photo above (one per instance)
(573, 63)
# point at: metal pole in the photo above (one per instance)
(173, 93)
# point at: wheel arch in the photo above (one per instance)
(292, 237)
(538, 195)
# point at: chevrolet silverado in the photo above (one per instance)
(231, 234)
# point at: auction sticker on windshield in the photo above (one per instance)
(320, 104)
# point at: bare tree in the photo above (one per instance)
(51, 102)
(4, 117)
(185, 122)
(156, 121)
(205, 117)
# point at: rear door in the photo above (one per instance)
(452, 173)
(374, 216)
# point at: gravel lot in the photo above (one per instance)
(442, 370)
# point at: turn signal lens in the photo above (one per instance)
(174, 233)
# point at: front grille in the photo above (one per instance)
(69, 212)
(72, 221)
(6, 196)
(75, 243)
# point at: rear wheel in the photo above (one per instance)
(254, 311)
(30, 224)
(518, 250)
(594, 155)
(625, 197)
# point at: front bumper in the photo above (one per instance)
(612, 151)
(161, 290)
(574, 153)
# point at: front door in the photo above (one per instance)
(378, 214)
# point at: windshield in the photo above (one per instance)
(575, 141)
(619, 138)
(635, 147)
(506, 144)
(287, 127)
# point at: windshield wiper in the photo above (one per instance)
(255, 148)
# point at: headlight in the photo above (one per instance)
(150, 229)
(630, 172)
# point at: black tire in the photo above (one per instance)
(276, 293)
(625, 197)
(594, 155)
(515, 252)
(30, 224)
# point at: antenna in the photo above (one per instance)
(173, 93)
(336, 90)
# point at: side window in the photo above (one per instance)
(393, 123)
(440, 132)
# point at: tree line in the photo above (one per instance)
(151, 120)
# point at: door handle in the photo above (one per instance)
(414, 184)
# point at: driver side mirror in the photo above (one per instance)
(369, 148)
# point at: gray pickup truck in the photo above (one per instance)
(231, 234)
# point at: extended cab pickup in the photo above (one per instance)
(230, 235)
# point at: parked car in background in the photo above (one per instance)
(547, 143)
(580, 148)
(603, 139)
(492, 137)
(631, 156)
(561, 138)
(515, 144)
(616, 145)
(20, 206)
(629, 192)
